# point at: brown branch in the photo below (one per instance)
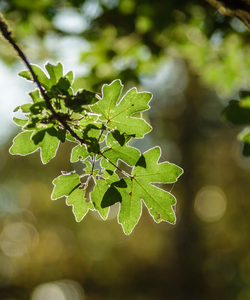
(234, 8)
(7, 34)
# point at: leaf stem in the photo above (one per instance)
(122, 171)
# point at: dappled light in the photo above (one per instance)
(210, 204)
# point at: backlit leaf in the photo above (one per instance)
(64, 185)
(80, 204)
(158, 201)
(118, 113)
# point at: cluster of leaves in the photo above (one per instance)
(237, 113)
(101, 127)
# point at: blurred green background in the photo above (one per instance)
(193, 60)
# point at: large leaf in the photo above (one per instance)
(24, 144)
(117, 114)
(139, 186)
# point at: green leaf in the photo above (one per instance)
(55, 72)
(120, 138)
(38, 107)
(20, 122)
(55, 75)
(70, 138)
(47, 140)
(80, 204)
(25, 108)
(237, 113)
(118, 113)
(35, 96)
(115, 151)
(86, 97)
(132, 189)
(49, 145)
(61, 134)
(38, 135)
(64, 185)
(70, 77)
(23, 145)
(41, 76)
(102, 186)
(97, 196)
(79, 152)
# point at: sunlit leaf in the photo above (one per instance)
(117, 113)
(139, 186)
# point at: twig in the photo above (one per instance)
(7, 35)
(122, 171)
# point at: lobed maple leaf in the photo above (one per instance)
(139, 187)
(118, 113)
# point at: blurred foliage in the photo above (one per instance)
(133, 38)
(193, 59)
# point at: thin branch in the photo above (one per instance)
(122, 171)
(7, 35)
(234, 8)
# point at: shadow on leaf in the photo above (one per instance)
(112, 195)
(141, 162)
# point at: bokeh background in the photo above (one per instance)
(194, 60)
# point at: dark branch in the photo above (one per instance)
(7, 34)
(234, 8)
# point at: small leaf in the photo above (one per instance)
(64, 185)
(70, 77)
(55, 75)
(41, 76)
(49, 145)
(128, 154)
(23, 144)
(26, 74)
(79, 152)
(25, 108)
(38, 107)
(55, 72)
(90, 119)
(79, 203)
(20, 122)
(102, 186)
(35, 96)
(97, 196)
